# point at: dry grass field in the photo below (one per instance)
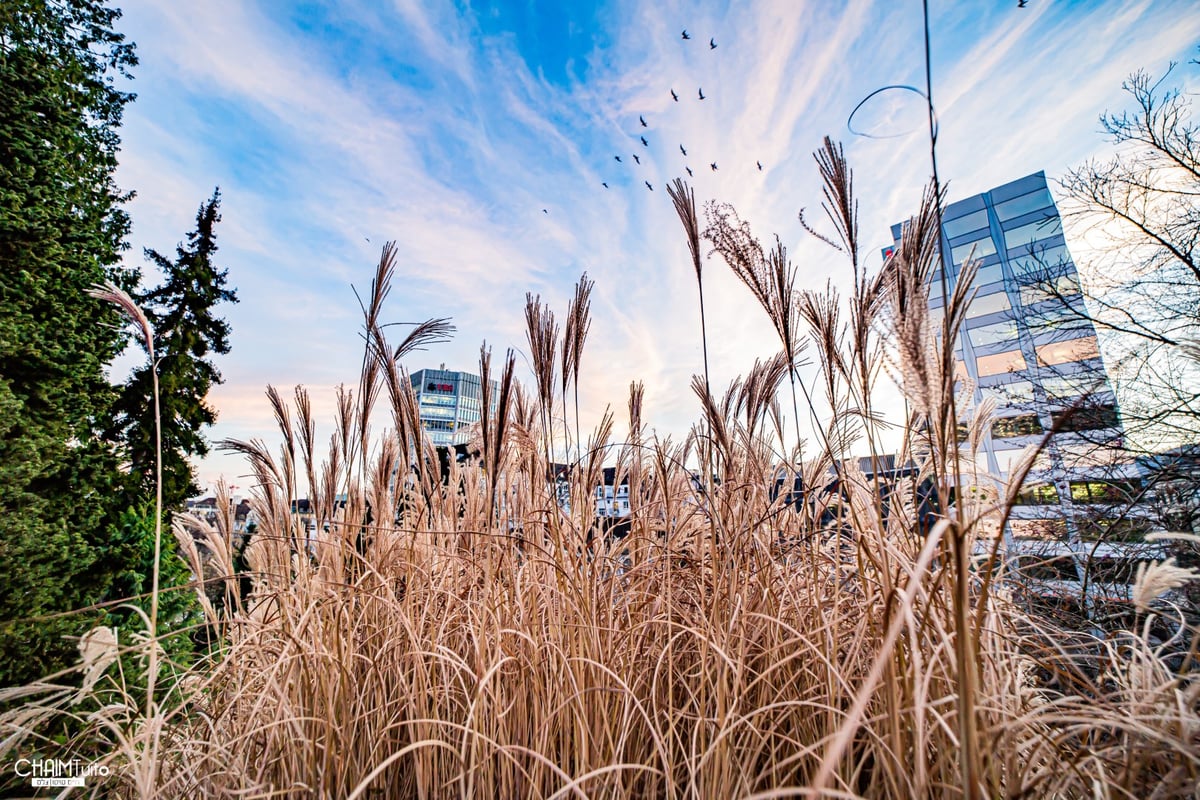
(468, 637)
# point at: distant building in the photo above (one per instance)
(206, 509)
(449, 403)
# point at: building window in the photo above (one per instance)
(1048, 288)
(968, 223)
(1093, 418)
(1024, 425)
(1105, 491)
(1010, 393)
(1040, 260)
(978, 249)
(1070, 350)
(1025, 204)
(1061, 387)
(1055, 568)
(1123, 529)
(992, 334)
(1024, 236)
(989, 304)
(1000, 363)
(437, 424)
(989, 275)
(436, 400)
(1067, 320)
(1041, 494)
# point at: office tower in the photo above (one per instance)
(1028, 344)
(448, 403)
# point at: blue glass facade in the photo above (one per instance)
(1027, 344)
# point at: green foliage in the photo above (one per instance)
(61, 231)
(132, 552)
(187, 334)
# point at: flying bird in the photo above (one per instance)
(644, 142)
(712, 44)
(544, 211)
(618, 158)
(759, 165)
(714, 166)
(648, 186)
(1020, 3)
(685, 34)
(690, 173)
(642, 120)
(701, 92)
(605, 185)
(674, 96)
(682, 150)
(635, 158)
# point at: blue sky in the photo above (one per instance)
(450, 127)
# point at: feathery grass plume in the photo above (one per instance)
(917, 360)
(283, 420)
(579, 323)
(684, 199)
(637, 399)
(541, 332)
(1156, 579)
(759, 390)
(495, 424)
(840, 204)
(716, 418)
(771, 278)
(822, 312)
(109, 292)
(368, 387)
(306, 432)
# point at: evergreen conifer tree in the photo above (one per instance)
(187, 335)
(61, 231)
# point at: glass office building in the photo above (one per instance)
(1028, 344)
(448, 403)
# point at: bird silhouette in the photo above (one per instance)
(690, 173)
(648, 186)
(685, 34)
(644, 142)
(701, 93)
(618, 158)
(604, 184)
(682, 150)
(635, 158)
(674, 96)
(368, 240)
(544, 211)
(712, 44)
(642, 120)
(1020, 3)
(759, 165)
(714, 166)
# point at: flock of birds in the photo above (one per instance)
(712, 45)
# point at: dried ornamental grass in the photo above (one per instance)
(469, 637)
